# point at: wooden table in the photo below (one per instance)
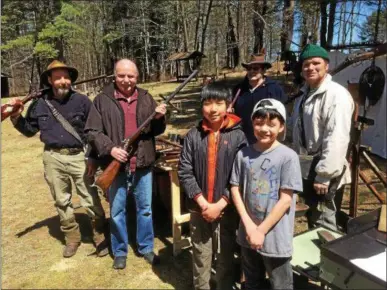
(179, 242)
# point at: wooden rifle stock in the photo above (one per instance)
(7, 109)
(107, 176)
(104, 180)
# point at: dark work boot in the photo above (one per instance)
(72, 236)
(70, 249)
(100, 242)
(119, 262)
(152, 258)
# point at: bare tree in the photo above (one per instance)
(287, 25)
(331, 21)
(231, 41)
(324, 20)
(260, 6)
(205, 26)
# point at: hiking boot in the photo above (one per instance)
(102, 249)
(119, 262)
(152, 258)
(100, 242)
(70, 249)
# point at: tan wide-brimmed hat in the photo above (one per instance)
(56, 64)
(257, 59)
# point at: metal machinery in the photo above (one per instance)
(356, 260)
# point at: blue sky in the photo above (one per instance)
(360, 7)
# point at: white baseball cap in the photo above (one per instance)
(272, 104)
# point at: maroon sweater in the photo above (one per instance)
(129, 105)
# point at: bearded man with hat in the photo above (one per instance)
(60, 115)
(321, 122)
(255, 87)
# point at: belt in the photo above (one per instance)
(65, 151)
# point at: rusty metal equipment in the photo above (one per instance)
(358, 151)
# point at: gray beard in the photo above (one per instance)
(61, 93)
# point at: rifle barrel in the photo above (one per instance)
(93, 79)
(182, 85)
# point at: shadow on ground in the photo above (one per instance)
(53, 225)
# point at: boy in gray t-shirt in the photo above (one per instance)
(264, 177)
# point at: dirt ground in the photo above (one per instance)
(31, 242)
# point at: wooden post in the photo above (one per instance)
(177, 218)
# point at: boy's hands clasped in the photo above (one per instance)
(211, 211)
(255, 236)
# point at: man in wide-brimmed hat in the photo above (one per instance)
(64, 156)
(255, 87)
(322, 120)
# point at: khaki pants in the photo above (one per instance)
(321, 212)
(217, 238)
(59, 171)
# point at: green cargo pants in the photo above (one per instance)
(59, 171)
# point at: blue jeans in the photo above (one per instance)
(255, 265)
(140, 184)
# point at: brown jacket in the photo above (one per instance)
(105, 126)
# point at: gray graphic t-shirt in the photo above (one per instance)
(260, 176)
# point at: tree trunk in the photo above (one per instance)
(232, 47)
(145, 34)
(241, 31)
(340, 22)
(59, 48)
(351, 23)
(345, 20)
(196, 43)
(205, 26)
(331, 21)
(316, 23)
(184, 20)
(287, 25)
(177, 30)
(324, 19)
(304, 32)
(259, 25)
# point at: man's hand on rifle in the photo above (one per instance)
(119, 154)
(161, 110)
(320, 188)
(17, 113)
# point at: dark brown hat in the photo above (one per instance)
(257, 59)
(56, 64)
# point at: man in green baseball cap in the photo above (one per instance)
(321, 121)
(315, 64)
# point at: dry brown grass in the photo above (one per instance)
(32, 242)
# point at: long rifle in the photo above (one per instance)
(7, 109)
(231, 106)
(106, 178)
